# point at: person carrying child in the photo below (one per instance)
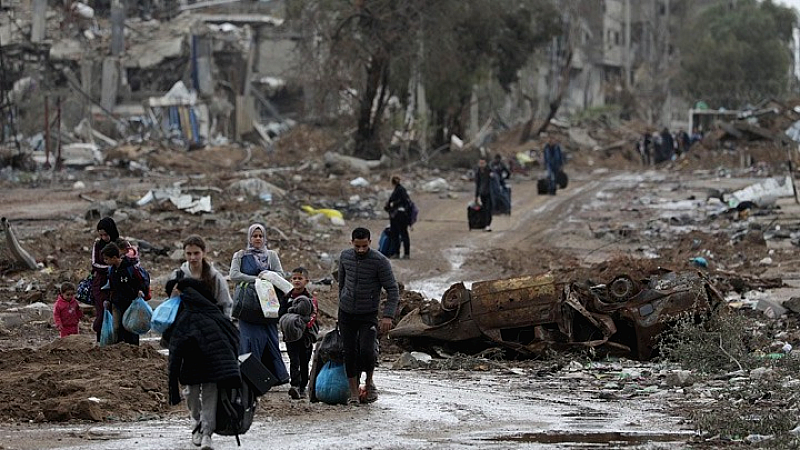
(125, 284)
(300, 331)
(67, 313)
(106, 232)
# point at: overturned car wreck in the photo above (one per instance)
(531, 314)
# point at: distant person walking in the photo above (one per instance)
(553, 162)
(666, 148)
(363, 273)
(645, 148)
(500, 169)
(399, 208)
(483, 190)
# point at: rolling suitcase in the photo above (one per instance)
(476, 217)
(541, 186)
(386, 245)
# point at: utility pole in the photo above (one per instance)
(667, 58)
(628, 58)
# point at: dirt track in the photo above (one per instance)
(440, 409)
(548, 405)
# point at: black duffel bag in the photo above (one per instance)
(561, 179)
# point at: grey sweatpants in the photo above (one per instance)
(202, 402)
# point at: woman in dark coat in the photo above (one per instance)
(203, 356)
(107, 232)
(399, 208)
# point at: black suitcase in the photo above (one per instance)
(476, 217)
(541, 186)
(561, 179)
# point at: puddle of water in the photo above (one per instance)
(435, 287)
(613, 439)
(585, 414)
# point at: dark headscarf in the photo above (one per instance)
(108, 225)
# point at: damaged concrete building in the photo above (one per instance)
(200, 73)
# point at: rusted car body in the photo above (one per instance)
(531, 314)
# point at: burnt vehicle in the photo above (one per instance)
(531, 314)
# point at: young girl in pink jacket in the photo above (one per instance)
(67, 313)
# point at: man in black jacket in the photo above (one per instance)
(363, 272)
(203, 356)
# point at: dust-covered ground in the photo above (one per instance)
(614, 218)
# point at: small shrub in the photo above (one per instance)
(719, 343)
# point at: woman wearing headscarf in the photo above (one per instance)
(258, 335)
(107, 232)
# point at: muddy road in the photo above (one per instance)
(416, 410)
(570, 403)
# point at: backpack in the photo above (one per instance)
(143, 277)
(413, 213)
(235, 410)
(84, 291)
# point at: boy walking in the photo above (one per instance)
(66, 312)
(126, 284)
(300, 330)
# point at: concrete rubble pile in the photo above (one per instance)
(85, 81)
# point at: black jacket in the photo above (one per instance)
(398, 201)
(204, 346)
(125, 284)
(482, 179)
(360, 281)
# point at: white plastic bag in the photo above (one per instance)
(268, 298)
(277, 281)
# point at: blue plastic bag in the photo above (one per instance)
(164, 315)
(108, 335)
(137, 317)
(331, 385)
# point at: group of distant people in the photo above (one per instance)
(656, 148)
(205, 342)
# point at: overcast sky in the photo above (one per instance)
(793, 3)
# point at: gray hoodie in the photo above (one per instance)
(221, 292)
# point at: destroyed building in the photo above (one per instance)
(206, 72)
